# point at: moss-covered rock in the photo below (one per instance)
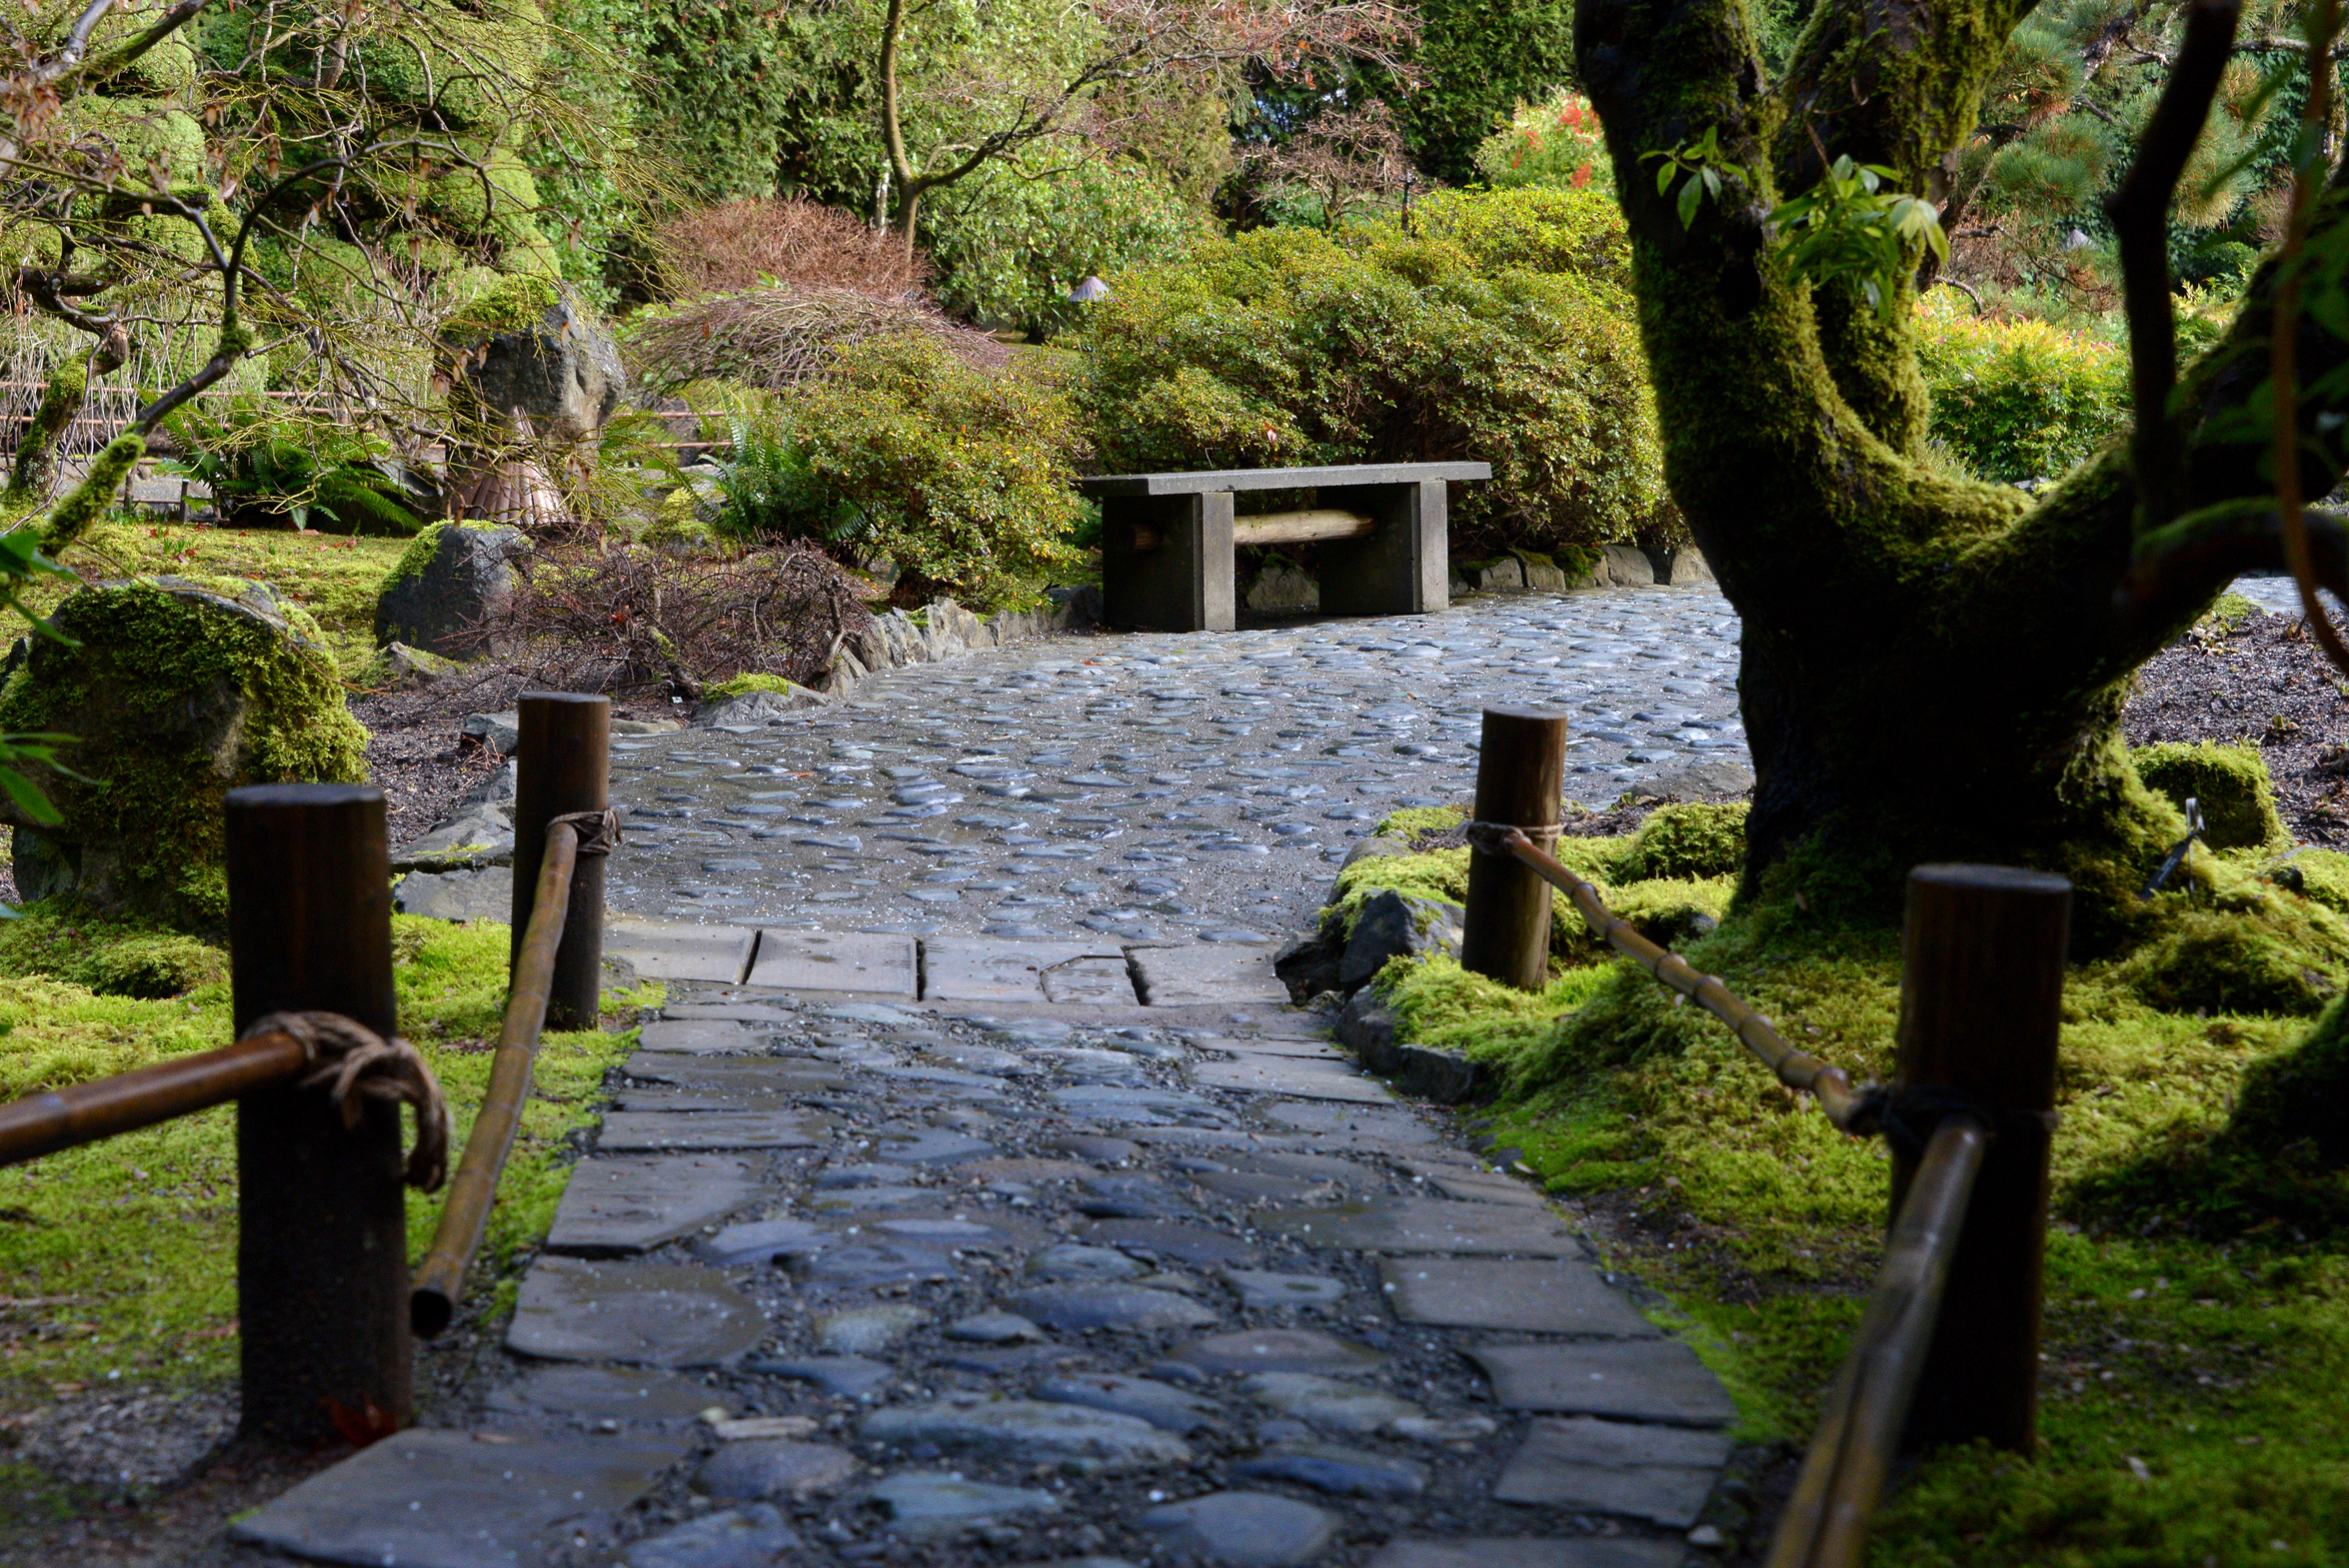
(176, 690)
(1682, 842)
(2231, 783)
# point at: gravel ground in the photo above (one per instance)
(2266, 684)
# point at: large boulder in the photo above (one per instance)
(176, 690)
(448, 586)
(524, 343)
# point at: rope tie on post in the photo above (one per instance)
(354, 1063)
(1489, 838)
(1908, 1117)
(599, 831)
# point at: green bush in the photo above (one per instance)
(1500, 329)
(962, 477)
(2230, 783)
(2018, 399)
(1556, 142)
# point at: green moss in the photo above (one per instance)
(2319, 875)
(1682, 842)
(151, 680)
(2231, 783)
(414, 558)
(2226, 618)
(1415, 821)
(136, 1236)
(87, 500)
(1443, 874)
(517, 302)
(743, 686)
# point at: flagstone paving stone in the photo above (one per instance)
(629, 1203)
(1547, 1297)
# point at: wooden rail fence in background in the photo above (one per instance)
(1948, 1351)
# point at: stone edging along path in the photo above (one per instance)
(970, 1257)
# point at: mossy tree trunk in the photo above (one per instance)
(1933, 668)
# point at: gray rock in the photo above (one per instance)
(1633, 1379)
(500, 732)
(1161, 1404)
(775, 1467)
(754, 1537)
(929, 1146)
(842, 1377)
(1393, 925)
(1075, 1262)
(1279, 1350)
(483, 895)
(1164, 1240)
(599, 1393)
(1428, 1225)
(1327, 1403)
(865, 1330)
(1679, 568)
(449, 607)
(926, 1505)
(398, 664)
(563, 372)
(1541, 574)
(757, 707)
(1259, 1290)
(617, 1205)
(1347, 1472)
(1660, 1473)
(994, 1328)
(863, 1266)
(1524, 1295)
(1308, 966)
(763, 1241)
(427, 1499)
(1533, 1551)
(1021, 1431)
(1282, 586)
(647, 1315)
(1622, 566)
(1496, 577)
(1133, 1309)
(1246, 1529)
(474, 839)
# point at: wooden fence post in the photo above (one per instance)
(322, 1237)
(1520, 772)
(1981, 999)
(564, 757)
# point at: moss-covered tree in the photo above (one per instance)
(1934, 667)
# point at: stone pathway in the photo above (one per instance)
(979, 1198)
(1156, 788)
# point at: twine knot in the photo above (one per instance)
(599, 831)
(354, 1063)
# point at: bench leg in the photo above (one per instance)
(1166, 562)
(1404, 568)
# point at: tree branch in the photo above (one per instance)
(2140, 219)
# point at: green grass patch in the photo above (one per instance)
(120, 1256)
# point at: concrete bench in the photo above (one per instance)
(1168, 540)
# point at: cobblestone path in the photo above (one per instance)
(998, 1221)
(1158, 786)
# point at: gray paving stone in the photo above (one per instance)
(1528, 1551)
(1161, 1404)
(881, 966)
(1260, 1292)
(754, 1537)
(763, 1241)
(1114, 1104)
(1222, 972)
(599, 1393)
(1427, 1225)
(1159, 1238)
(978, 968)
(994, 1328)
(679, 950)
(1328, 1403)
(923, 1506)
(861, 1265)
(1660, 1473)
(929, 1146)
(1092, 982)
(1294, 1077)
(1074, 1260)
(647, 1315)
(615, 1206)
(843, 1377)
(699, 1036)
(1636, 1379)
(428, 1498)
(1133, 1309)
(1279, 1350)
(776, 1468)
(1348, 1126)
(661, 1131)
(1021, 1431)
(1344, 1472)
(1556, 1297)
(1246, 1529)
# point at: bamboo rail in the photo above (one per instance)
(66, 1118)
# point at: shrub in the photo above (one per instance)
(961, 476)
(1557, 143)
(1501, 329)
(1009, 249)
(2018, 399)
(762, 241)
(778, 336)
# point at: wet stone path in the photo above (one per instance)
(1156, 788)
(979, 1198)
